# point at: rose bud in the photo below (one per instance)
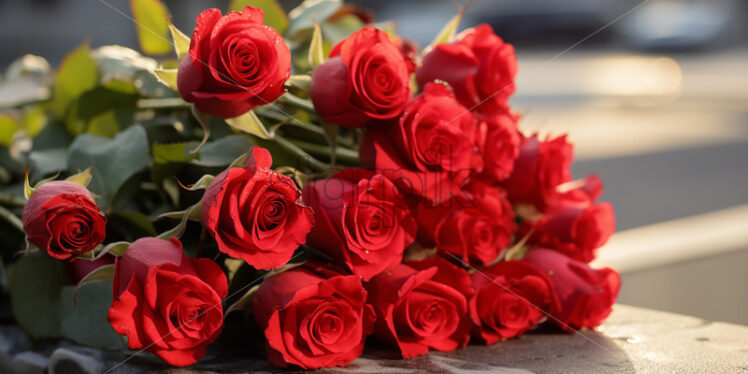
(539, 169)
(361, 221)
(499, 142)
(479, 66)
(313, 317)
(422, 305)
(575, 226)
(473, 229)
(62, 218)
(427, 148)
(166, 302)
(511, 297)
(586, 295)
(235, 63)
(366, 78)
(256, 213)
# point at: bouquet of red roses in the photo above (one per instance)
(314, 173)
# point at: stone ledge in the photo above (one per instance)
(633, 340)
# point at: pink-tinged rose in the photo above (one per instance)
(61, 218)
(540, 168)
(256, 213)
(511, 298)
(422, 305)
(313, 317)
(429, 150)
(166, 302)
(575, 226)
(586, 295)
(473, 229)
(361, 221)
(499, 143)
(235, 63)
(479, 66)
(365, 79)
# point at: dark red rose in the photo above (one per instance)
(575, 226)
(499, 142)
(62, 218)
(422, 305)
(166, 302)
(255, 213)
(366, 78)
(362, 223)
(474, 229)
(235, 63)
(586, 295)
(511, 298)
(539, 169)
(313, 317)
(429, 150)
(479, 66)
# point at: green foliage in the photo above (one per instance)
(173, 152)
(275, 16)
(35, 284)
(8, 127)
(152, 25)
(77, 74)
(301, 17)
(113, 160)
(84, 319)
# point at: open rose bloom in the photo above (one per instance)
(312, 187)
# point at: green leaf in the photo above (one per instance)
(202, 183)
(48, 161)
(77, 74)
(34, 121)
(35, 284)
(116, 249)
(448, 31)
(113, 160)
(27, 190)
(104, 272)
(180, 40)
(167, 76)
(118, 63)
(301, 16)
(84, 320)
(137, 220)
(192, 213)
(245, 302)
(301, 82)
(102, 111)
(275, 16)
(316, 51)
(8, 127)
(251, 124)
(172, 152)
(223, 151)
(152, 25)
(82, 178)
(204, 120)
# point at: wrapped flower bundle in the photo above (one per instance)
(315, 173)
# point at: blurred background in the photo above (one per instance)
(653, 93)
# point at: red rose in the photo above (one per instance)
(313, 317)
(510, 299)
(361, 221)
(474, 229)
(586, 295)
(590, 188)
(480, 67)
(425, 151)
(255, 213)
(539, 169)
(499, 142)
(422, 305)
(62, 218)
(575, 226)
(235, 63)
(366, 78)
(167, 303)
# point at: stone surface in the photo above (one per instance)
(633, 340)
(29, 362)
